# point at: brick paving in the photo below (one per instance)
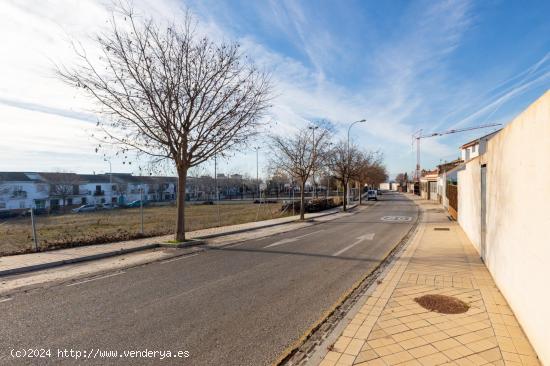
(392, 329)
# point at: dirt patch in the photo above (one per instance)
(442, 304)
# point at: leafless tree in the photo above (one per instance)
(378, 174)
(345, 164)
(168, 93)
(368, 170)
(62, 185)
(298, 156)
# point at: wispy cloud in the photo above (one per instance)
(340, 64)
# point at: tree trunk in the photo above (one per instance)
(302, 201)
(360, 193)
(345, 203)
(180, 211)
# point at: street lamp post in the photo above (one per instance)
(349, 156)
(257, 148)
(313, 128)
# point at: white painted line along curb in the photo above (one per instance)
(291, 240)
(179, 258)
(95, 278)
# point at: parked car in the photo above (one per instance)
(371, 195)
(85, 208)
(136, 203)
(108, 206)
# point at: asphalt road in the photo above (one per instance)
(237, 305)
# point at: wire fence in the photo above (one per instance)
(96, 225)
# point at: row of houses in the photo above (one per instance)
(20, 191)
(498, 192)
(45, 191)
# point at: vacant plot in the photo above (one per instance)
(57, 231)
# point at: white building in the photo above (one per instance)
(474, 148)
(20, 191)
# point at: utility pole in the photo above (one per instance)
(349, 156)
(313, 128)
(216, 184)
(257, 148)
(34, 236)
(141, 206)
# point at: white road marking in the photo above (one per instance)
(6, 299)
(179, 258)
(369, 236)
(95, 278)
(291, 240)
(396, 218)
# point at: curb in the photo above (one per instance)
(38, 267)
(198, 241)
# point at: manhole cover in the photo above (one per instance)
(442, 304)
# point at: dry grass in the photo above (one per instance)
(56, 231)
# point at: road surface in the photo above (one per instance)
(238, 305)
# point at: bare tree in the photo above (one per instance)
(168, 93)
(63, 185)
(368, 168)
(378, 174)
(345, 163)
(298, 156)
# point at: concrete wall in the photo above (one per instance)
(517, 250)
(469, 201)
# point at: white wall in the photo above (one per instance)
(469, 201)
(518, 217)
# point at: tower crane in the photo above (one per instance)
(418, 135)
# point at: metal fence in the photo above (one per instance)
(33, 230)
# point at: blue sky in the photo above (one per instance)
(402, 65)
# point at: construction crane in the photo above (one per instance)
(418, 135)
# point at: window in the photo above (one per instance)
(84, 200)
(69, 202)
(474, 148)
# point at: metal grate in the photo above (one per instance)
(441, 229)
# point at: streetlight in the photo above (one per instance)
(257, 148)
(313, 128)
(349, 156)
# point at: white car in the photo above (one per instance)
(108, 206)
(85, 208)
(371, 195)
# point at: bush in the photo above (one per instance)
(313, 205)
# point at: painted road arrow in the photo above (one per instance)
(361, 238)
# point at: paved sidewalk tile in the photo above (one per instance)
(392, 329)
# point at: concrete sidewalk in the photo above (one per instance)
(22, 263)
(390, 328)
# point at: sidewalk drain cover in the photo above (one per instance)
(441, 229)
(442, 304)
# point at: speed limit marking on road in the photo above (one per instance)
(396, 218)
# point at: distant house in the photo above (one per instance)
(475, 147)
(428, 185)
(19, 191)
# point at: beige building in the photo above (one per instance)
(503, 206)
